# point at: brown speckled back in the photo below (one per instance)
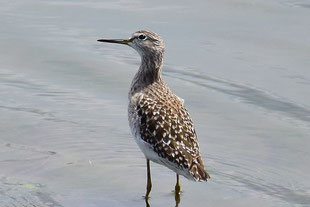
(166, 125)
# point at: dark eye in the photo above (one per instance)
(142, 37)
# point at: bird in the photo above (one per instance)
(158, 119)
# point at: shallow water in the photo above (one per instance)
(241, 66)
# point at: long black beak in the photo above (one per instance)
(118, 41)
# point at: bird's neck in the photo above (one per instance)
(148, 73)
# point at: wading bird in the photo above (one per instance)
(160, 123)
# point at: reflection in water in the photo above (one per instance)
(147, 204)
(177, 197)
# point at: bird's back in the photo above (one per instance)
(161, 123)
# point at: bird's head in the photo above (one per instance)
(146, 43)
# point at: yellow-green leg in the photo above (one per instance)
(177, 186)
(149, 181)
(177, 191)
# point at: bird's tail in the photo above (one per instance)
(197, 170)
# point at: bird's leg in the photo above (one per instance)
(149, 181)
(177, 191)
(177, 186)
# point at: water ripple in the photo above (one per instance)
(245, 93)
(294, 196)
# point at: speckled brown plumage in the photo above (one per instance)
(166, 125)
